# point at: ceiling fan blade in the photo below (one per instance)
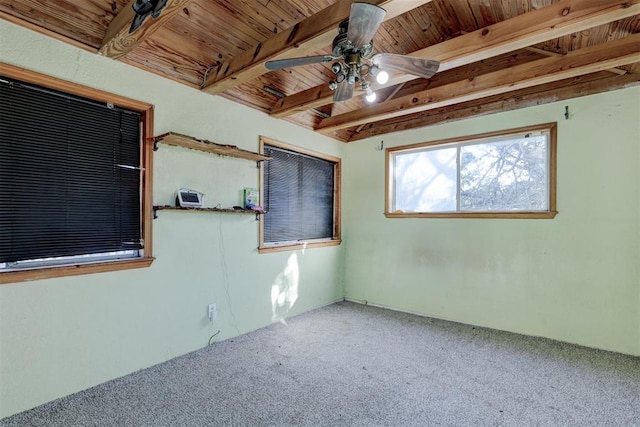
(406, 64)
(294, 62)
(364, 21)
(343, 92)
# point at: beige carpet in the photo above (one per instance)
(354, 365)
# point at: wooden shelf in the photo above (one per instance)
(219, 210)
(173, 138)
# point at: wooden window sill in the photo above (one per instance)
(72, 270)
(297, 246)
(506, 215)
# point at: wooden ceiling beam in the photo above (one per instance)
(47, 32)
(311, 35)
(118, 42)
(537, 95)
(553, 21)
(617, 71)
(583, 61)
(393, 93)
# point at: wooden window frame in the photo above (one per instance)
(548, 214)
(146, 111)
(337, 212)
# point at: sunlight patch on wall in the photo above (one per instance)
(284, 291)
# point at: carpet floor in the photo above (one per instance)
(353, 365)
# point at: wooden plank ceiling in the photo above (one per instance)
(495, 55)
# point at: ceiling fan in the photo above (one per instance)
(144, 8)
(352, 51)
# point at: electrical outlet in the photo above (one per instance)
(212, 312)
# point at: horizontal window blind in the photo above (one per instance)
(299, 192)
(69, 175)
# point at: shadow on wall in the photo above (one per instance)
(284, 291)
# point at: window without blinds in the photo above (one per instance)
(508, 173)
(69, 177)
(299, 197)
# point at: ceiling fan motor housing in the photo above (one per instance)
(340, 42)
(342, 46)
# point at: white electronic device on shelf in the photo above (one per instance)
(189, 198)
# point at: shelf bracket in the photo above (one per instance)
(155, 213)
(155, 145)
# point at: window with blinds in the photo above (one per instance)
(300, 193)
(70, 178)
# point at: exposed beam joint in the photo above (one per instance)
(551, 92)
(583, 61)
(617, 71)
(118, 42)
(556, 20)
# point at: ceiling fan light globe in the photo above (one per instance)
(382, 77)
(371, 97)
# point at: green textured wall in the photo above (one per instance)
(60, 336)
(574, 278)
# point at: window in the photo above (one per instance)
(301, 194)
(72, 172)
(501, 174)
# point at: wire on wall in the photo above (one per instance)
(225, 276)
(213, 336)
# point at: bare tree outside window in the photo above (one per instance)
(505, 176)
(506, 172)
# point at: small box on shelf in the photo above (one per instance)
(250, 198)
